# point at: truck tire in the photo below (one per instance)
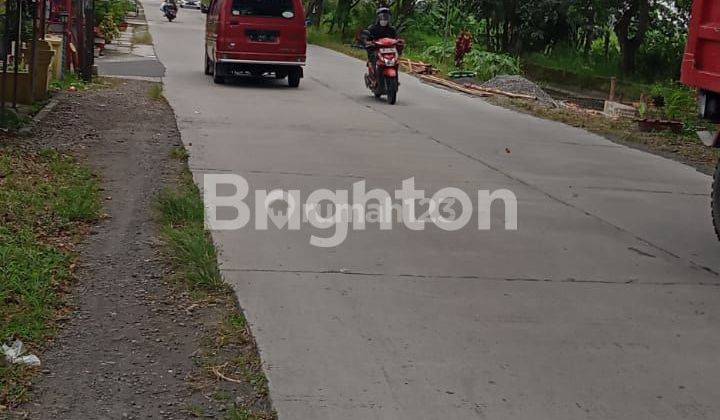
(716, 200)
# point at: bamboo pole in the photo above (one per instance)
(501, 92)
(452, 85)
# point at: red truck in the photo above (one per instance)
(701, 70)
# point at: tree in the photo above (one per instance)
(315, 10)
(403, 10)
(633, 21)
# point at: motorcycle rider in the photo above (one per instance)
(168, 4)
(382, 28)
(378, 30)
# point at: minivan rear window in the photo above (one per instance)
(264, 8)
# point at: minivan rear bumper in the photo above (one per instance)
(263, 59)
(276, 63)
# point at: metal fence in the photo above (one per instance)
(17, 47)
(25, 22)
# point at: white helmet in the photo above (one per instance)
(384, 16)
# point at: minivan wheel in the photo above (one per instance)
(208, 66)
(294, 78)
(218, 76)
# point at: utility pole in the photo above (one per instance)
(16, 54)
(5, 47)
(34, 4)
(89, 59)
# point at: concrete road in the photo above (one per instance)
(602, 305)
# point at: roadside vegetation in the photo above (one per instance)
(684, 147)
(12, 120)
(72, 82)
(638, 41)
(141, 35)
(228, 360)
(110, 17)
(47, 202)
(156, 92)
(566, 46)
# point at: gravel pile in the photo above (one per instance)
(521, 85)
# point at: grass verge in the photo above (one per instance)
(228, 361)
(141, 35)
(73, 83)
(156, 92)
(571, 72)
(47, 201)
(685, 148)
(333, 41)
(13, 120)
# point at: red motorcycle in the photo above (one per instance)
(382, 76)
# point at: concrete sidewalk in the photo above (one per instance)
(126, 58)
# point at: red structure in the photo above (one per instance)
(701, 63)
(73, 19)
(463, 45)
(61, 21)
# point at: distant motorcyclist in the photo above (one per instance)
(168, 4)
(382, 28)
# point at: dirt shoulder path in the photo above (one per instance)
(134, 346)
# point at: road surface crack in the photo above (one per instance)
(354, 273)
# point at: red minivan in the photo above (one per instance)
(256, 37)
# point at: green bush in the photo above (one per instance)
(680, 101)
(71, 80)
(109, 14)
(443, 19)
(109, 28)
(420, 40)
(488, 65)
(10, 119)
(567, 58)
(440, 53)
